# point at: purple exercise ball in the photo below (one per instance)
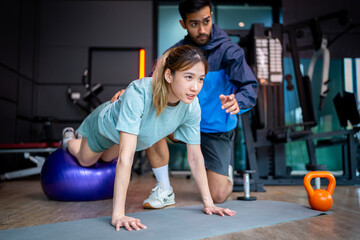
(64, 179)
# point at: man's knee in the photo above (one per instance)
(220, 186)
(219, 196)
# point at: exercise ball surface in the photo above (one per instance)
(64, 179)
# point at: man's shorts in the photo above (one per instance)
(218, 151)
(89, 129)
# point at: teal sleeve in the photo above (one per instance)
(189, 130)
(131, 111)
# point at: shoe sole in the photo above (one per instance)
(148, 206)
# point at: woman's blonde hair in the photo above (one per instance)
(175, 59)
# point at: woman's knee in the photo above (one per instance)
(86, 162)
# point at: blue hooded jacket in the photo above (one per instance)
(228, 73)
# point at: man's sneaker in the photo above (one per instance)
(67, 134)
(231, 174)
(160, 197)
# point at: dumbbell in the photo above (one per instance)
(246, 179)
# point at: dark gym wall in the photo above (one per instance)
(17, 68)
(44, 50)
(67, 30)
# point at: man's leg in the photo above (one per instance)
(218, 151)
(162, 195)
(220, 186)
(158, 156)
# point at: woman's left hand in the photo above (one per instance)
(218, 210)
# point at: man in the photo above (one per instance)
(229, 88)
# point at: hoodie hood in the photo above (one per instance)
(228, 73)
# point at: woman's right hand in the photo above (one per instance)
(117, 95)
(127, 222)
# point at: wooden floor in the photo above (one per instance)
(22, 203)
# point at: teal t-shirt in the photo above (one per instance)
(134, 113)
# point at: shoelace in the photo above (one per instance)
(158, 193)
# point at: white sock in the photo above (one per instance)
(162, 176)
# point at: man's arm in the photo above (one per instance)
(117, 95)
(241, 76)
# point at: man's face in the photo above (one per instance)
(198, 25)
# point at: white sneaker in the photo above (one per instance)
(160, 197)
(67, 134)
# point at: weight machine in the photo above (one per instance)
(90, 97)
(265, 132)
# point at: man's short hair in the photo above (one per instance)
(191, 6)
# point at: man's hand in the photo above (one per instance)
(117, 95)
(229, 103)
(172, 138)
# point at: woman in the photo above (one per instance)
(149, 110)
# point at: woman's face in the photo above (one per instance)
(185, 85)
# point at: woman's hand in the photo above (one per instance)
(117, 95)
(127, 147)
(218, 210)
(196, 163)
(127, 222)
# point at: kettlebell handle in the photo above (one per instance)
(319, 174)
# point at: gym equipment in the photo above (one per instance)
(90, 97)
(102, 55)
(265, 132)
(32, 152)
(246, 180)
(325, 53)
(320, 199)
(346, 109)
(171, 223)
(64, 179)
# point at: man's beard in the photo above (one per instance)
(202, 41)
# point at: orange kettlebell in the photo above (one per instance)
(320, 199)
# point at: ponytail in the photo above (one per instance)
(159, 85)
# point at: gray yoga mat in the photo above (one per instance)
(172, 223)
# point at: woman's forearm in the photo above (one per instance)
(127, 146)
(122, 179)
(197, 166)
(199, 175)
